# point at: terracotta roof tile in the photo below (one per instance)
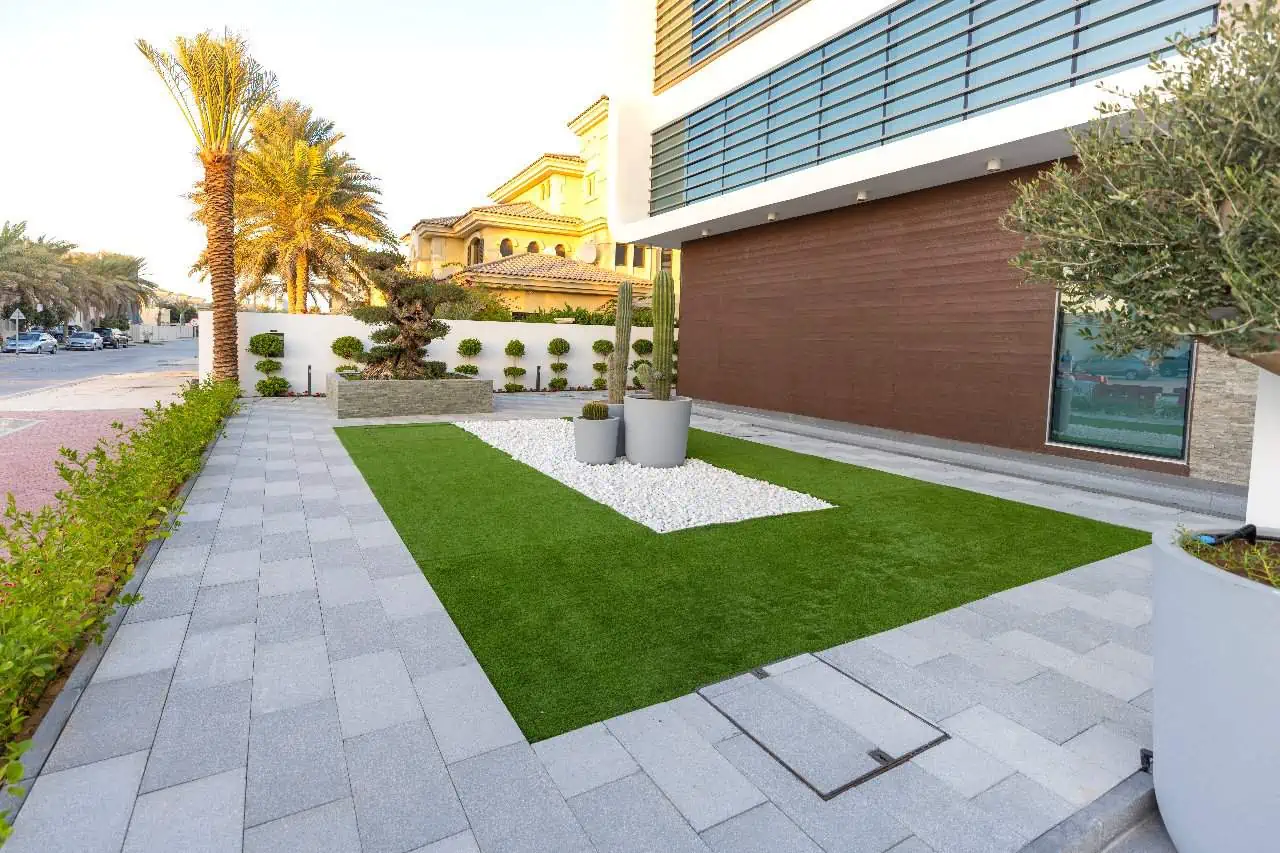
(526, 210)
(553, 267)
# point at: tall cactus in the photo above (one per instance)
(664, 334)
(621, 345)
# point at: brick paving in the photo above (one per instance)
(291, 682)
(27, 455)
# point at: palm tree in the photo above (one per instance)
(219, 88)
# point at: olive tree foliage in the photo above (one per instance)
(1168, 226)
(406, 325)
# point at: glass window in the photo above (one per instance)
(620, 255)
(667, 256)
(1135, 403)
(506, 248)
(637, 256)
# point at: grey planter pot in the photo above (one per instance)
(657, 431)
(596, 442)
(1216, 643)
(615, 411)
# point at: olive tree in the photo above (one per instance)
(1166, 225)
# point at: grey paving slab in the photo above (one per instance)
(281, 577)
(1024, 806)
(357, 629)
(82, 810)
(373, 692)
(291, 521)
(112, 718)
(201, 733)
(1146, 701)
(963, 767)
(330, 828)
(194, 533)
(463, 842)
(240, 515)
(226, 604)
(285, 546)
(230, 540)
(1108, 748)
(288, 618)
(407, 596)
(814, 745)
(585, 759)
(341, 585)
(142, 647)
(328, 529)
(1008, 667)
(728, 685)
(514, 806)
(430, 643)
(699, 781)
(174, 561)
(231, 567)
(631, 815)
(218, 656)
(288, 675)
(276, 488)
(273, 504)
(848, 823)
(710, 724)
(204, 816)
(906, 647)
(295, 762)
(466, 714)
(164, 597)
(764, 829)
(374, 534)
(912, 845)
(906, 685)
(404, 797)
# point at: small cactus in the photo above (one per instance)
(621, 344)
(595, 411)
(664, 333)
(644, 375)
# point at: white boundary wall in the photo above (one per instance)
(308, 339)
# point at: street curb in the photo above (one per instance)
(1098, 824)
(55, 719)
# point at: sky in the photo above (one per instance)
(440, 99)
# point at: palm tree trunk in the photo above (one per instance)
(290, 296)
(219, 184)
(302, 270)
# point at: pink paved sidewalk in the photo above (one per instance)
(27, 456)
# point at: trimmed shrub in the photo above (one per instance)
(348, 347)
(513, 387)
(469, 347)
(515, 348)
(435, 369)
(602, 347)
(559, 367)
(268, 366)
(600, 367)
(267, 345)
(559, 383)
(599, 383)
(643, 346)
(467, 370)
(66, 563)
(345, 369)
(595, 411)
(514, 372)
(273, 386)
(558, 347)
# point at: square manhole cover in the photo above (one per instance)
(831, 731)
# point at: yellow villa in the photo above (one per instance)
(545, 240)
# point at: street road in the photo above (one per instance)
(21, 373)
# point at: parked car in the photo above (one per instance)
(1127, 367)
(113, 338)
(84, 340)
(1176, 365)
(36, 342)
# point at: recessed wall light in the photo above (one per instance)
(995, 164)
(706, 232)
(773, 217)
(862, 195)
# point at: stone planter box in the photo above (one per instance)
(372, 398)
(1217, 700)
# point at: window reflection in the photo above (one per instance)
(1134, 403)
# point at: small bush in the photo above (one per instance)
(558, 347)
(595, 411)
(600, 383)
(267, 345)
(435, 369)
(515, 348)
(347, 369)
(469, 347)
(514, 372)
(273, 386)
(602, 347)
(558, 384)
(513, 387)
(643, 346)
(349, 347)
(467, 370)
(559, 367)
(600, 367)
(268, 366)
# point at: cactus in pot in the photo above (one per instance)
(664, 333)
(621, 345)
(657, 425)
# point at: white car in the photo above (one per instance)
(31, 342)
(84, 340)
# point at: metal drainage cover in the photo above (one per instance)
(831, 731)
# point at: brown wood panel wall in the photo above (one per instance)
(902, 314)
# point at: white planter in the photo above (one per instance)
(616, 411)
(1217, 705)
(657, 431)
(596, 442)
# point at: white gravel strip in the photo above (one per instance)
(663, 500)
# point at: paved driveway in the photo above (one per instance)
(21, 373)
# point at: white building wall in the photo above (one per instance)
(308, 342)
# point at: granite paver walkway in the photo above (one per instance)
(291, 683)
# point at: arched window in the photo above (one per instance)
(561, 251)
(507, 248)
(534, 248)
(475, 251)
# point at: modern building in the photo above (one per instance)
(545, 241)
(834, 173)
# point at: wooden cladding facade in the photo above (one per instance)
(902, 314)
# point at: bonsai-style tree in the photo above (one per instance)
(406, 324)
(1168, 225)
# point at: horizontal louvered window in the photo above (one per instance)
(690, 32)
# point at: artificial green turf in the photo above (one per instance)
(578, 614)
